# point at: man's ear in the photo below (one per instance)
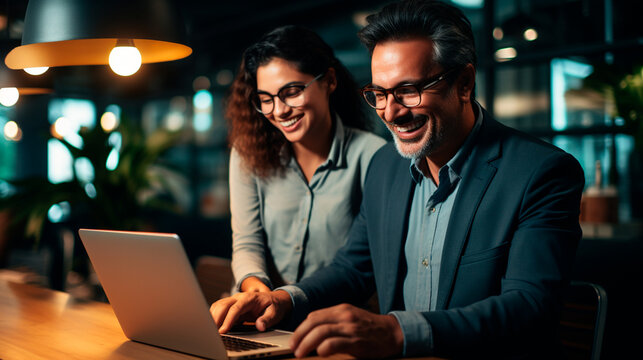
(331, 79)
(465, 82)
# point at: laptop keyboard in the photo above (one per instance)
(236, 344)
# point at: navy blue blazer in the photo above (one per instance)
(509, 247)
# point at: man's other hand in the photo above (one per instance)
(266, 309)
(349, 330)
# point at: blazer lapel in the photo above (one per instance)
(473, 185)
(396, 222)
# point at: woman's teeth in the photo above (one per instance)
(289, 123)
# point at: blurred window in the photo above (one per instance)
(7, 152)
(67, 117)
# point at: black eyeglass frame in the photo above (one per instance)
(280, 94)
(419, 87)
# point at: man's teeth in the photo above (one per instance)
(410, 127)
(288, 123)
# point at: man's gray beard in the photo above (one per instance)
(436, 138)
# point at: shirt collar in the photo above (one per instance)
(336, 154)
(456, 164)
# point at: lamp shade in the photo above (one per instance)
(25, 84)
(82, 32)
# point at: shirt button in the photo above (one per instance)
(297, 248)
(425, 262)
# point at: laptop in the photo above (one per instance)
(156, 297)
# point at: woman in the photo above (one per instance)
(298, 161)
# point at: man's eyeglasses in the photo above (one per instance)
(409, 95)
(291, 95)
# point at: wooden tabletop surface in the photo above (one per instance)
(39, 323)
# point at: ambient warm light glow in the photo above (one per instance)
(506, 54)
(498, 34)
(36, 70)
(125, 59)
(62, 126)
(9, 96)
(108, 121)
(11, 130)
(530, 34)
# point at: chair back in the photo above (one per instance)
(582, 323)
(215, 277)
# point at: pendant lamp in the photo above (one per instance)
(17, 83)
(99, 32)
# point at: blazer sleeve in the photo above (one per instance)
(349, 278)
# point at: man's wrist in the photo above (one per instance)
(283, 301)
(398, 335)
(417, 333)
(299, 303)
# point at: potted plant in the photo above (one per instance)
(124, 197)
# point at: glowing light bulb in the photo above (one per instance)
(9, 96)
(11, 130)
(36, 70)
(530, 34)
(498, 34)
(125, 59)
(61, 127)
(506, 54)
(108, 121)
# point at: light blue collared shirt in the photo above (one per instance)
(431, 208)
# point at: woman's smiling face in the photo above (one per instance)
(302, 123)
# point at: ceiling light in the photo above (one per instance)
(14, 83)
(108, 121)
(498, 34)
(36, 70)
(472, 4)
(9, 96)
(530, 34)
(81, 32)
(11, 130)
(125, 59)
(505, 54)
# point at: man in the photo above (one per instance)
(469, 244)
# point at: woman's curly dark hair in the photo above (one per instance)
(258, 142)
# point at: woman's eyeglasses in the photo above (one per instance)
(291, 95)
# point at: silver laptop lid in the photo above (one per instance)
(150, 284)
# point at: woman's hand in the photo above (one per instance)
(266, 309)
(253, 284)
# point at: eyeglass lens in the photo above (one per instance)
(291, 95)
(405, 95)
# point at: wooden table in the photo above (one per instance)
(38, 323)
